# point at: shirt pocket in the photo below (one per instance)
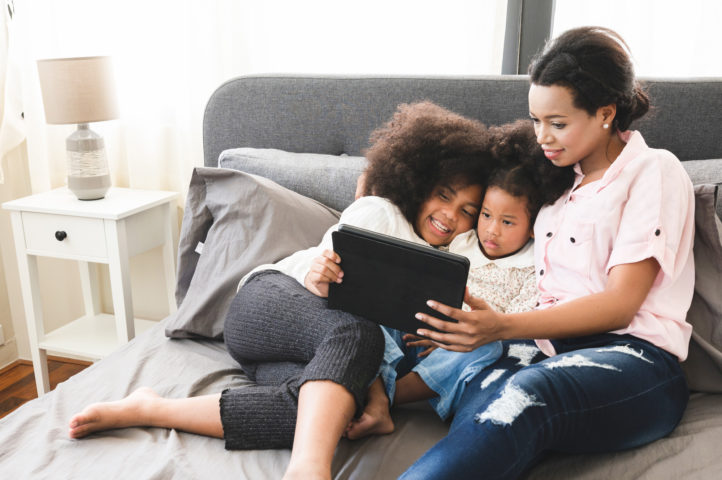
(575, 248)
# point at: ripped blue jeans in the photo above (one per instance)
(601, 393)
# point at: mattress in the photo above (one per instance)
(35, 443)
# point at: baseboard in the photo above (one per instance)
(54, 358)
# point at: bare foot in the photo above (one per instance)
(128, 412)
(375, 420)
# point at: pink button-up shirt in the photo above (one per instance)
(643, 207)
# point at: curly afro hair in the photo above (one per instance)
(423, 146)
(523, 170)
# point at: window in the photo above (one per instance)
(667, 38)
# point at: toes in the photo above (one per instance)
(77, 421)
(78, 432)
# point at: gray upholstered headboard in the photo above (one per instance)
(334, 115)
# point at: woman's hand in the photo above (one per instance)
(611, 309)
(416, 341)
(324, 270)
(478, 327)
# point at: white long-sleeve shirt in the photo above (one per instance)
(507, 284)
(372, 213)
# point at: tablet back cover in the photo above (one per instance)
(388, 280)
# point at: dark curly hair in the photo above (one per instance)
(594, 63)
(423, 146)
(523, 170)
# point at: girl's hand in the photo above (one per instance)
(416, 341)
(360, 186)
(324, 270)
(478, 327)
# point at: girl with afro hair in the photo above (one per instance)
(501, 254)
(312, 365)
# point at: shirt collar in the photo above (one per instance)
(634, 144)
(521, 259)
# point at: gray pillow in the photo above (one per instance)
(703, 172)
(703, 367)
(243, 221)
(330, 179)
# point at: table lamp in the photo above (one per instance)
(81, 90)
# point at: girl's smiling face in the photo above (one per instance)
(567, 134)
(449, 211)
(504, 225)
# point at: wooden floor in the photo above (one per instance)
(17, 381)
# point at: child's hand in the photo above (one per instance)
(416, 341)
(324, 270)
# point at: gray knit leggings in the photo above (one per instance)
(283, 336)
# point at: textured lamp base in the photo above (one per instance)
(88, 175)
(89, 188)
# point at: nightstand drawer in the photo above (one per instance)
(64, 236)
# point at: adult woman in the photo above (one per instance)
(615, 274)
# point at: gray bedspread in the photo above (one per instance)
(35, 444)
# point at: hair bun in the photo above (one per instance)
(594, 62)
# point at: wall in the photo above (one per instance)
(9, 349)
(12, 316)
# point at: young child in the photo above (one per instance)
(312, 365)
(502, 272)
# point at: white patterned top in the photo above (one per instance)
(507, 284)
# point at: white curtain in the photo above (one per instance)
(667, 38)
(170, 55)
(12, 130)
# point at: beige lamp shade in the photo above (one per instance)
(78, 90)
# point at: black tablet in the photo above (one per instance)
(388, 280)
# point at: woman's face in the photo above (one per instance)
(567, 134)
(504, 225)
(449, 211)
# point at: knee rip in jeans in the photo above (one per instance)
(525, 353)
(492, 377)
(578, 360)
(627, 350)
(514, 400)
(510, 404)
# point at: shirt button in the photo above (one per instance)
(549, 234)
(572, 239)
(541, 272)
(657, 232)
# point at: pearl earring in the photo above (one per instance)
(606, 125)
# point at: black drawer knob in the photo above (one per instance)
(60, 235)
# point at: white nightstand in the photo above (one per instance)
(111, 230)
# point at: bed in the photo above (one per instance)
(281, 157)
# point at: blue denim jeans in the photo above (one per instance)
(601, 393)
(446, 373)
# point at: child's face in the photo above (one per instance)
(503, 226)
(448, 212)
(567, 134)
